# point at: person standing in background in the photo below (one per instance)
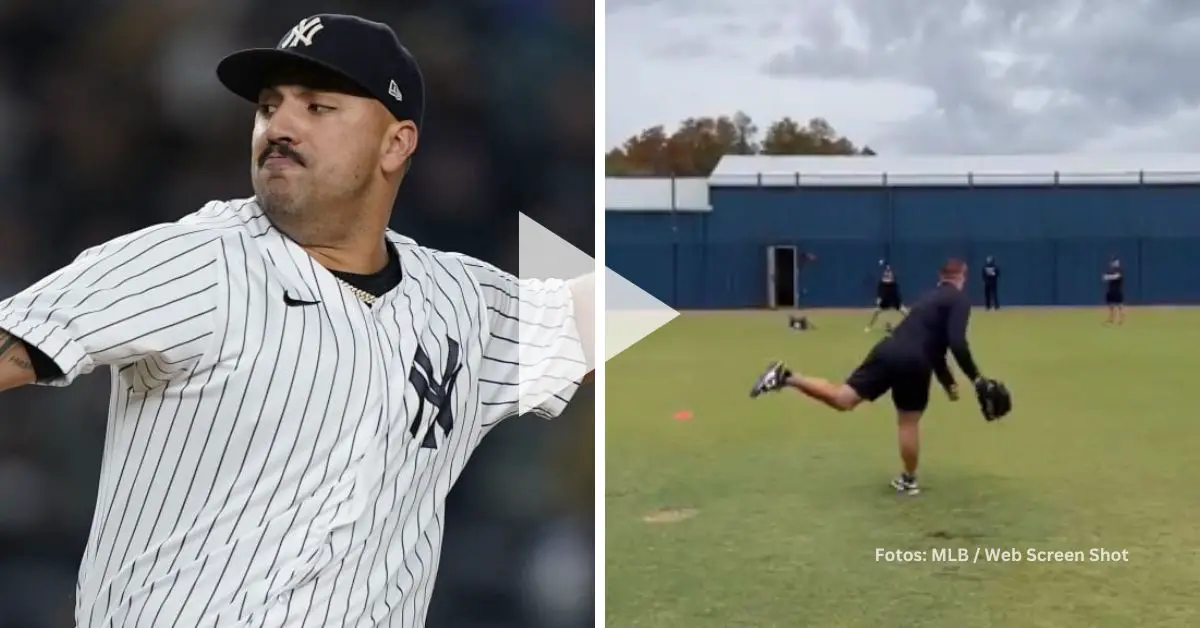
(887, 296)
(1114, 294)
(991, 277)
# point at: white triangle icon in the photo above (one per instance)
(630, 313)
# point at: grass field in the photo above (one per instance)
(780, 504)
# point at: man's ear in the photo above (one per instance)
(399, 143)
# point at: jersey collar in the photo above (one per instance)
(308, 280)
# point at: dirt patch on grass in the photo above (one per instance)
(670, 515)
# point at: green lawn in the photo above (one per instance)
(788, 500)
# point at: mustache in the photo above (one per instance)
(276, 149)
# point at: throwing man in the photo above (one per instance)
(295, 388)
(905, 363)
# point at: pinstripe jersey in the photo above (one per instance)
(277, 452)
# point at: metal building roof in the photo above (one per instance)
(914, 170)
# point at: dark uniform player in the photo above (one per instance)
(904, 363)
(887, 296)
(991, 277)
(1114, 295)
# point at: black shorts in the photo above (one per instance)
(1114, 298)
(888, 299)
(899, 369)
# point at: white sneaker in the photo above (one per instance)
(770, 380)
(906, 485)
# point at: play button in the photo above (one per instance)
(630, 313)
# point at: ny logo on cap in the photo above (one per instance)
(302, 33)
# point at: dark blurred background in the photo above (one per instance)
(111, 119)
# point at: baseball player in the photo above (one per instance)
(905, 363)
(991, 281)
(887, 296)
(295, 388)
(1114, 292)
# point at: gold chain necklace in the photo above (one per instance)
(364, 296)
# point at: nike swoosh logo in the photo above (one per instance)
(291, 301)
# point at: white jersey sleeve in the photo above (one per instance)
(148, 297)
(533, 358)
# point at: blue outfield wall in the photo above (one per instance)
(1052, 242)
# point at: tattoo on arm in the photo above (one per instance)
(17, 358)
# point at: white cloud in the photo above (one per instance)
(972, 76)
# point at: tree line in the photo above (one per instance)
(697, 144)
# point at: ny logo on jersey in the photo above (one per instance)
(437, 392)
(302, 33)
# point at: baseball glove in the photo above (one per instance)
(994, 399)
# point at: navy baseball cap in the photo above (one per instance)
(367, 54)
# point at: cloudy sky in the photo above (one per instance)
(917, 76)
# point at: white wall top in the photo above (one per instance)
(922, 170)
(688, 194)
